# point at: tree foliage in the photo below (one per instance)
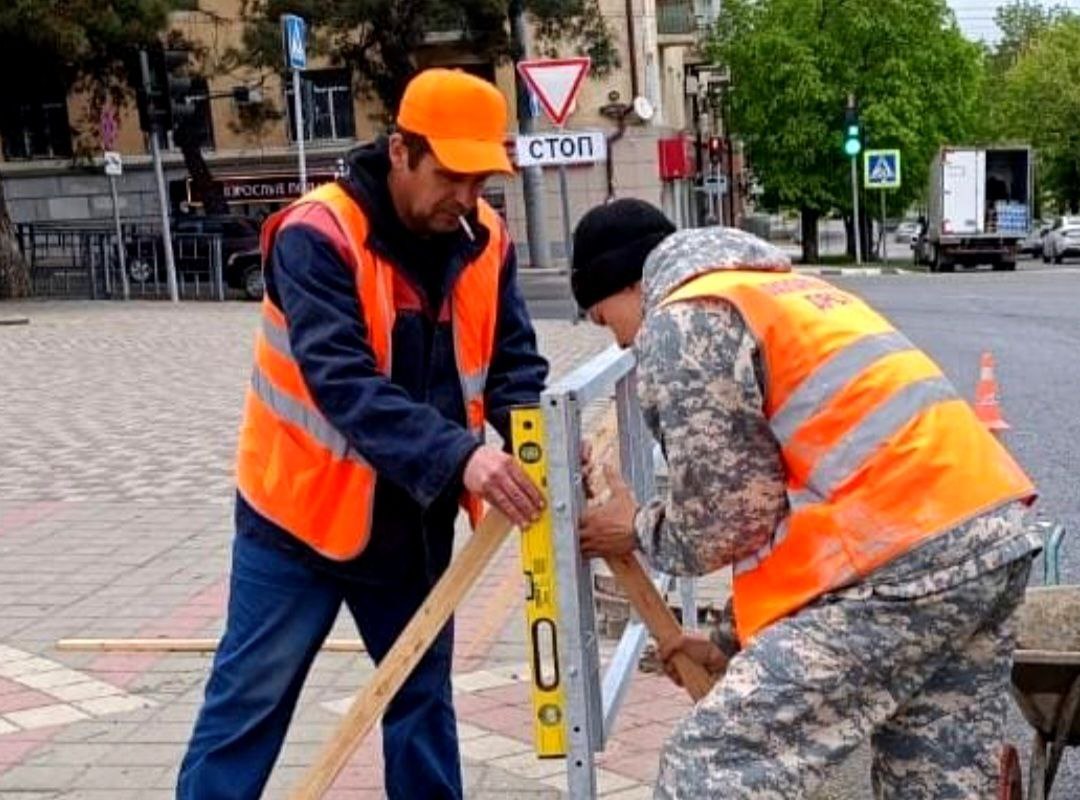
(793, 64)
(49, 47)
(75, 44)
(379, 39)
(1039, 102)
(1020, 22)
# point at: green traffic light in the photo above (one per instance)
(852, 147)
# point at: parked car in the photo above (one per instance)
(1033, 244)
(1063, 240)
(243, 270)
(906, 231)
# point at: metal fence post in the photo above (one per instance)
(591, 706)
(219, 271)
(579, 657)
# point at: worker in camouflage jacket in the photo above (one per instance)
(874, 527)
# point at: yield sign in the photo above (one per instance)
(555, 82)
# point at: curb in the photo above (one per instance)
(854, 271)
(14, 320)
(548, 272)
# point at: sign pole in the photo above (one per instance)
(298, 112)
(883, 247)
(855, 227)
(119, 239)
(294, 41)
(564, 197)
(113, 167)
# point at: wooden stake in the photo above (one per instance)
(656, 615)
(164, 644)
(371, 701)
(635, 581)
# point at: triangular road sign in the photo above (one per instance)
(555, 82)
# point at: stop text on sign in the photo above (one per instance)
(556, 149)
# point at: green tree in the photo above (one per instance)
(1040, 104)
(378, 39)
(793, 64)
(78, 44)
(1020, 22)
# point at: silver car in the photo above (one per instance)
(1033, 244)
(1063, 240)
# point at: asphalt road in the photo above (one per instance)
(1030, 321)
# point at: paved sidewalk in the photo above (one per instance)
(118, 424)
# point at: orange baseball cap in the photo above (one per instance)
(462, 116)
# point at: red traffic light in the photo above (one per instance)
(716, 146)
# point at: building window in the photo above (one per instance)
(35, 127)
(326, 96)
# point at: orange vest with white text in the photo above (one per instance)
(880, 452)
(293, 466)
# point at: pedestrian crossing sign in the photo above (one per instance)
(294, 34)
(881, 169)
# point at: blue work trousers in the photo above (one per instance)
(280, 611)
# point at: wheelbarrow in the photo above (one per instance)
(1046, 677)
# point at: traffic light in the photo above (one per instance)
(179, 86)
(165, 101)
(715, 147)
(852, 132)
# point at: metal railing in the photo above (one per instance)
(81, 261)
(592, 701)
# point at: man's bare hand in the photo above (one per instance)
(607, 528)
(697, 648)
(499, 479)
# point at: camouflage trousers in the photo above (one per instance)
(925, 678)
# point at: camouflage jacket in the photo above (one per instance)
(701, 385)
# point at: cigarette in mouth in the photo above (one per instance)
(465, 227)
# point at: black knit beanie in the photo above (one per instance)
(611, 243)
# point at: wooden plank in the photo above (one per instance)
(371, 701)
(162, 644)
(1059, 658)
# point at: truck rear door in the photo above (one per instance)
(963, 201)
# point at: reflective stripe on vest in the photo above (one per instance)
(294, 466)
(879, 451)
(310, 421)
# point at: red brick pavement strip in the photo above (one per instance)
(15, 747)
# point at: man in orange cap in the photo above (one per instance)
(392, 330)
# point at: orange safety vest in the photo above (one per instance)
(293, 466)
(880, 452)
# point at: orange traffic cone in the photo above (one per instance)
(987, 408)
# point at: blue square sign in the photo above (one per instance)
(881, 169)
(294, 35)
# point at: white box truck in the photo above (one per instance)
(978, 207)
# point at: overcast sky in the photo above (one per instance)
(976, 17)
